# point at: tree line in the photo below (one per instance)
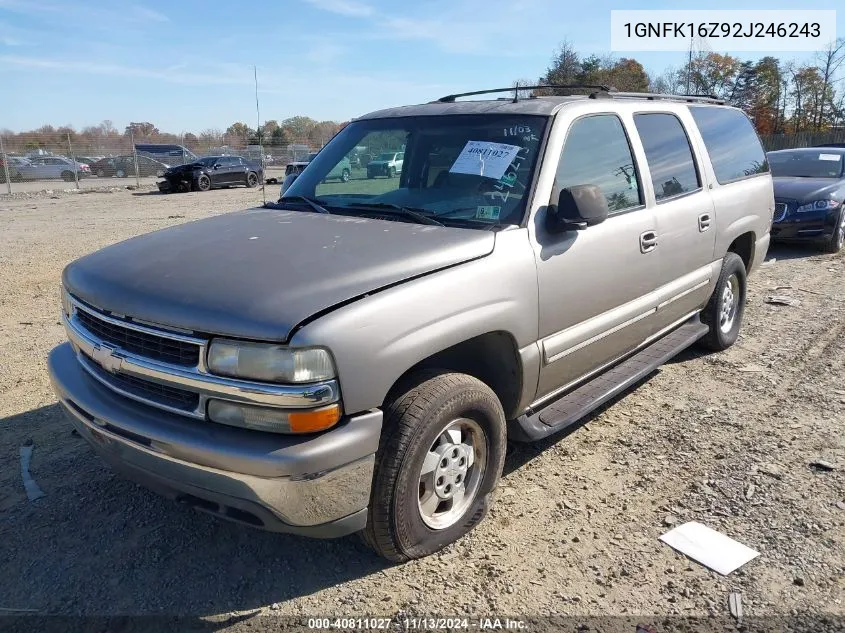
(106, 138)
(781, 97)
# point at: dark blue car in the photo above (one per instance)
(809, 191)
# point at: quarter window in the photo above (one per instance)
(731, 142)
(596, 152)
(668, 153)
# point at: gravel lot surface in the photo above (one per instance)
(728, 440)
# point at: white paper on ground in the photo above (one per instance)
(709, 547)
(483, 158)
(33, 492)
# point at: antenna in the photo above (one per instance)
(258, 133)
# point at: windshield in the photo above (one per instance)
(804, 164)
(463, 168)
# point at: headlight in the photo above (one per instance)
(271, 419)
(269, 362)
(817, 205)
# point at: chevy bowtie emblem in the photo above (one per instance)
(106, 357)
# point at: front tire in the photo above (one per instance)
(837, 240)
(203, 183)
(723, 313)
(67, 176)
(252, 180)
(440, 457)
(344, 175)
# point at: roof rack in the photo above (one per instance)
(657, 96)
(599, 92)
(516, 89)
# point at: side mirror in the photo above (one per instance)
(287, 182)
(577, 208)
(217, 166)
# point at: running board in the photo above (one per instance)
(574, 405)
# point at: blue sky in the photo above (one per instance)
(187, 65)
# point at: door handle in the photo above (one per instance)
(648, 241)
(703, 222)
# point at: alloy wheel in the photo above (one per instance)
(729, 304)
(451, 473)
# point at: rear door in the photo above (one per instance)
(684, 214)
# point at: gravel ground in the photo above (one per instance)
(727, 440)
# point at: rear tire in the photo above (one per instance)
(101, 173)
(203, 183)
(440, 457)
(252, 179)
(837, 240)
(724, 311)
(67, 176)
(120, 173)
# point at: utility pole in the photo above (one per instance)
(689, 64)
(6, 166)
(75, 164)
(258, 132)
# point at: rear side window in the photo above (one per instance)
(596, 152)
(732, 143)
(668, 153)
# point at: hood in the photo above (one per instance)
(256, 274)
(805, 189)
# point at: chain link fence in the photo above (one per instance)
(63, 158)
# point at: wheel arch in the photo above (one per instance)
(743, 245)
(492, 357)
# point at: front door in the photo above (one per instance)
(222, 172)
(596, 285)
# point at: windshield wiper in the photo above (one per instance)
(396, 209)
(309, 201)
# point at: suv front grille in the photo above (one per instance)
(780, 211)
(156, 393)
(151, 346)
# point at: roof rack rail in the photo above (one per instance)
(596, 88)
(599, 92)
(657, 96)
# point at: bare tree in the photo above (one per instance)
(829, 61)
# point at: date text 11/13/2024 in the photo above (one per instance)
(418, 623)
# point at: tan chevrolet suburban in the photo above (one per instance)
(355, 356)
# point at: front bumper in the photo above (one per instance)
(311, 485)
(806, 226)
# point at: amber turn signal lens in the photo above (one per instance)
(314, 420)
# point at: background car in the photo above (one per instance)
(14, 163)
(386, 164)
(809, 186)
(123, 166)
(87, 160)
(53, 167)
(212, 172)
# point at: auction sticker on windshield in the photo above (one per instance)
(483, 158)
(829, 157)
